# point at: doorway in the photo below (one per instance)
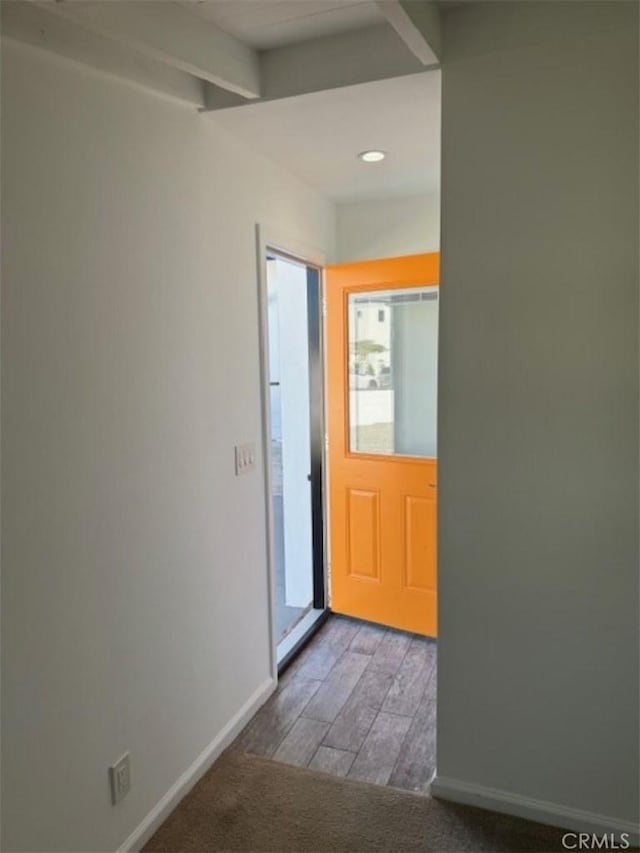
(362, 694)
(294, 427)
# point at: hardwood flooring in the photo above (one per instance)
(358, 702)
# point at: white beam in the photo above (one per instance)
(417, 22)
(327, 62)
(24, 22)
(171, 34)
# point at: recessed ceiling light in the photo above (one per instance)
(372, 156)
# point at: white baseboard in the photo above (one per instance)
(158, 814)
(540, 811)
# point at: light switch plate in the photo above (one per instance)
(245, 458)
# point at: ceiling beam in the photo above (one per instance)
(327, 62)
(417, 22)
(169, 33)
(24, 22)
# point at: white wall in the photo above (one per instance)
(134, 581)
(538, 408)
(388, 228)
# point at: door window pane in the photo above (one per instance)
(290, 441)
(392, 367)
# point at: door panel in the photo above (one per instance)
(363, 544)
(381, 358)
(419, 542)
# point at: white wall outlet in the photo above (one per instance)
(120, 778)
(245, 456)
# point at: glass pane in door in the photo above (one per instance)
(290, 441)
(392, 365)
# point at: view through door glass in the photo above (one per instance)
(290, 440)
(392, 363)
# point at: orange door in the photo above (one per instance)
(381, 362)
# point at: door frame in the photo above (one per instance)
(269, 239)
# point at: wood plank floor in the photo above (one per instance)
(359, 702)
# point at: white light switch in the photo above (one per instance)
(245, 455)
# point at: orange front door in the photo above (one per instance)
(381, 361)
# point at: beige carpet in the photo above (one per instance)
(249, 803)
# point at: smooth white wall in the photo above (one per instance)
(134, 606)
(388, 228)
(538, 407)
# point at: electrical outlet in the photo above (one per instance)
(120, 778)
(245, 458)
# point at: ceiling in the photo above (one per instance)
(265, 24)
(308, 83)
(317, 136)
